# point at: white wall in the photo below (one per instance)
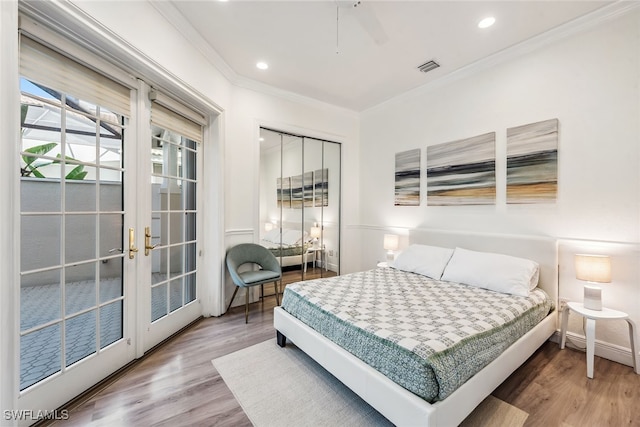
(589, 81)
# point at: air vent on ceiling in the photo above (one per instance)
(428, 66)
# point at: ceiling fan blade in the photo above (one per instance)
(366, 16)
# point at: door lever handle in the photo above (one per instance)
(148, 247)
(132, 244)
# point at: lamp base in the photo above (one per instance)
(592, 298)
(390, 256)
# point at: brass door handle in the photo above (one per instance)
(132, 244)
(148, 247)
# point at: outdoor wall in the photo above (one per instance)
(589, 81)
(41, 235)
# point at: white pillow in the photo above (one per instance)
(292, 237)
(272, 235)
(429, 261)
(497, 272)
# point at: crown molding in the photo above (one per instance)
(575, 26)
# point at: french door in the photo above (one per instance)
(171, 228)
(109, 237)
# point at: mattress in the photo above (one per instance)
(426, 335)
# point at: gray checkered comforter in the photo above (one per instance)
(426, 335)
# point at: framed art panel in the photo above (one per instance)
(407, 188)
(532, 163)
(462, 172)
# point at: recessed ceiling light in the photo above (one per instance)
(487, 22)
(262, 65)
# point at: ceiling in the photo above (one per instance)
(321, 49)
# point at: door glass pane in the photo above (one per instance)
(80, 337)
(176, 261)
(40, 355)
(111, 279)
(80, 194)
(40, 298)
(41, 195)
(110, 323)
(190, 288)
(64, 141)
(159, 301)
(175, 300)
(111, 234)
(173, 220)
(80, 287)
(40, 237)
(80, 237)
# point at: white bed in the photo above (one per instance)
(397, 404)
(288, 245)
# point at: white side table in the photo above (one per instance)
(315, 252)
(591, 317)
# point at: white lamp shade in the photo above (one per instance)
(315, 232)
(390, 242)
(593, 268)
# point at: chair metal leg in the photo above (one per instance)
(246, 306)
(275, 284)
(234, 295)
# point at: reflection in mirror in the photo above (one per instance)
(300, 204)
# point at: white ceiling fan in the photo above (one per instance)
(365, 14)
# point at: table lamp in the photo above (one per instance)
(315, 235)
(593, 269)
(390, 245)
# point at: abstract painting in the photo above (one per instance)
(407, 191)
(462, 172)
(279, 192)
(532, 163)
(296, 192)
(321, 187)
(307, 189)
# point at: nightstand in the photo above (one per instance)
(315, 251)
(591, 316)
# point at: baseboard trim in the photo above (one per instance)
(602, 349)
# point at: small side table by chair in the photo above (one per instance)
(591, 316)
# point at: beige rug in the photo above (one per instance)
(284, 387)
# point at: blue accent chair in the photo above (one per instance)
(270, 271)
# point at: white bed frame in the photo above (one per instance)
(397, 404)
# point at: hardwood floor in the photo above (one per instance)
(177, 385)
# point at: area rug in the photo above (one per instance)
(284, 387)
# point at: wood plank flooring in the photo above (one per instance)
(177, 385)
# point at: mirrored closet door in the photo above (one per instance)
(300, 204)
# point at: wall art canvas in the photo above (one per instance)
(321, 187)
(307, 189)
(296, 192)
(462, 172)
(407, 190)
(532, 163)
(286, 192)
(279, 192)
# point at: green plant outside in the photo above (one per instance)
(31, 170)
